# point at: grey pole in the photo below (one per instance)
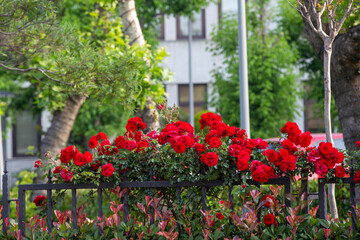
(243, 72)
(191, 86)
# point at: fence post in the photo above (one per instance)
(49, 205)
(22, 209)
(73, 210)
(288, 190)
(152, 212)
(6, 206)
(353, 202)
(126, 200)
(231, 199)
(178, 197)
(322, 199)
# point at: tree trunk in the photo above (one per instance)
(345, 79)
(327, 117)
(58, 133)
(132, 28)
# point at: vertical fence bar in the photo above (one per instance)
(178, 197)
(231, 199)
(152, 190)
(73, 210)
(288, 191)
(100, 202)
(353, 203)
(6, 206)
(305, 189)
(100, 209)
(49, 210)
(49, 205)
(126, 200)
(322, 199)
(22, 206)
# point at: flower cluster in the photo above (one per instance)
(325, 157)
(175, 152)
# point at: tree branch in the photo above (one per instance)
(44, 72)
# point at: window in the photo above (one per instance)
(159, 28)
(229, 6)
(200, 102)
(26, 133)
(198, 26)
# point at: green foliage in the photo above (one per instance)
(272, 84)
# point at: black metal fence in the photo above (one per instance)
(166, 184)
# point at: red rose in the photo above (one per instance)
(288, 164)
(242, 164)
(56, 170)
(234, 150)
(131, 127)
(289, 146)
(357, 177)
(269, 219)
(269, 200)
(291, 129)
(152, 134)
(200, 148)
(67, 154)
(107, 170)
(95, 167)
(214, 142)
(100, 136)
(93, 142)
(238, 141)
(255, 165)
(243, 155)
(357, 143)
(120, 142)
(187, 141)
(219, 215)
(88, 157)
(137, 136)
(140, 146)
(130, 145)
(134, 124)
(339, 157)
(79, 159)
(305, 139)
(209, 119)
(210, 159)
(40, 200)
(261, 144)
(179, 147)
(325, 148)
(260, 175)
(161, 106)
(321, 168)
(66, 175)
(250, 143)
(339, 171)
(271, 156)
(37, 164)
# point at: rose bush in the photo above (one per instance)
(176, 154)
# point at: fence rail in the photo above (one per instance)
(147, 184)
(166, 184)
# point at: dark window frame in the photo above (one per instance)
(203, 28)
(162, 27)
(196, 103)
(14, 139)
